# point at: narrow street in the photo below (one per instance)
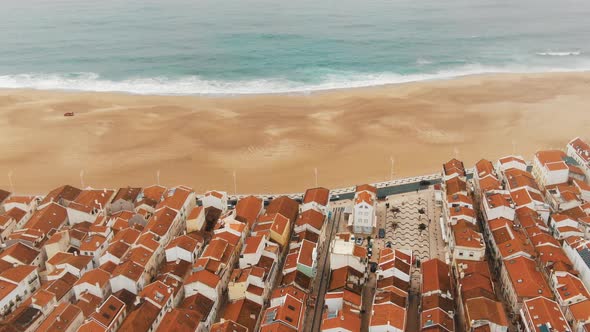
(321, 281)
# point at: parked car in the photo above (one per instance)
(388, 244)
(424, 183)
(381, 233)
(359, 240)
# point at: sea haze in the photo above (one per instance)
(274, 46)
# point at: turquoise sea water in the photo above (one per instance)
(261, 46)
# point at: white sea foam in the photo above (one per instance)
(564, 53)
(194, 85)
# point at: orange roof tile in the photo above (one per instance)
(366, 187)
(454, 166)
(526, 280)
(318, 195)
(540, 311)
(435, 276)
(205, 277)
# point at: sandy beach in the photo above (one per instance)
(274, 142)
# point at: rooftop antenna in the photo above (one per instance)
(235, 183)
(392, 165)
(10, 181)
(158, 177)
(82, 178)
(315, 170)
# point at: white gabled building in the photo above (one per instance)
(363, 218)
(215, 199)
(580, 151)
(317, 199)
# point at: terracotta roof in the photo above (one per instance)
(434, 317)
(108, 310)
(228, 326)
(91, 199)
(6, 288)
(161, 221)
(455, 185)
(92, 242)
(195, 212)
(185, 242)
(248, 209)
(435, 276)
(540, 311)
(18, 273)
(526, 280)
(285, 206)
(489, 183)
(462, 211)
(311, 217)
(366, 187)
(454, 166)
(459, 198)
(252, 244)
(363, 197)
(306, 253)
(344, 320)
(93, 277)
(436, 301)
(516, 178)
(199, 303)
(180, 320)
(509, 159)
(16, 213)
(466, 236)
(175, 198)
(53, 216)
(61, 318)
(318, 195)
(484, 168)
(569, 286)
(388, 314)
(66, 192)
(280, 224)
(127, 194)
(550, 156)
(154, 192)
(140, 319)
(245, 312)
(20, 252)
(4, 195)
(484, 309)
(205, 277)
(129, 269)
(581, 311)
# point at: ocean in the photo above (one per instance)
(277, 46)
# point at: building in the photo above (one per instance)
(363, 220)
(579, 150)
(541, 314)
(550, 167)
(316, 199)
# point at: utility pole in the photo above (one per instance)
(392, 165)
(316, 176)
(235, 183)
(10, 181)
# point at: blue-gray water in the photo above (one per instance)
(259, 46)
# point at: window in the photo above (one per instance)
(460, 253)
(471, 254)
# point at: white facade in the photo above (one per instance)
(363, 218)
(215, 199)
(175, 253)
(122, 282)
(95, 290)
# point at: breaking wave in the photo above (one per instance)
(195, 85)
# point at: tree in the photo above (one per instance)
(422, 227)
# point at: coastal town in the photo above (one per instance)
(502, 245)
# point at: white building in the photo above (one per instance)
(215, 199)
(364, 219)
(580, 151)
